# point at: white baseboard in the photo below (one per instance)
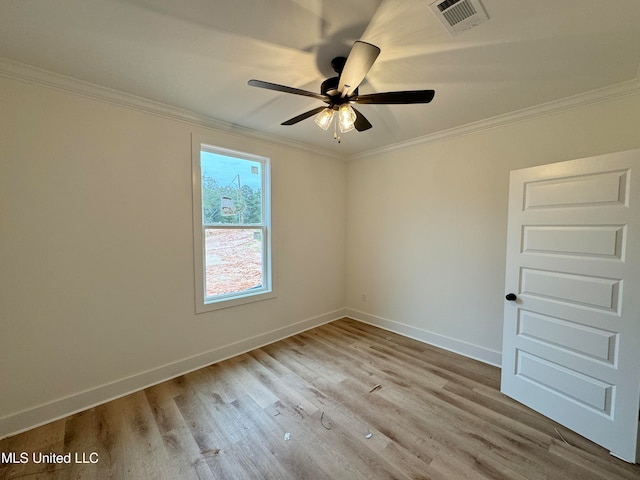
(62, 407)
(476, 352)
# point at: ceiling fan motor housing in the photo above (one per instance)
(330, 88)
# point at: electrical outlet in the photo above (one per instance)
(364, 297)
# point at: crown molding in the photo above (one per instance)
(36, 76)
(604, 94)
(44, 78)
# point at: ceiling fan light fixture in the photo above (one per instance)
(324, 118)
(339, 92)
(346, 118)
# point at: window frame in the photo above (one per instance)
(203, 303)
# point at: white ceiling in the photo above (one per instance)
(199, 54)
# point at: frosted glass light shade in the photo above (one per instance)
(346, 117)
(323, 119)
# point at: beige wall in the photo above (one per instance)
(96, 252)
(427, 225)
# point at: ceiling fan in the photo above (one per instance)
(339, 93)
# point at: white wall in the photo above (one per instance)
(96, 252)
(427, 225)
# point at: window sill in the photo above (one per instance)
(237, 300)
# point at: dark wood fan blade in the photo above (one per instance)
(302, 116)
(285, 89)
(409, 96)
(361, 122)
(358, 64)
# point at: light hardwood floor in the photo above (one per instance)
(307, 407)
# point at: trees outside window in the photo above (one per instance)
(231, 205)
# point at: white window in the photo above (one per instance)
(231, 221)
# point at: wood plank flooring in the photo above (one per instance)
(342, 401)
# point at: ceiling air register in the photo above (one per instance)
(459, 15)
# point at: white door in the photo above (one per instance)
(571, 338)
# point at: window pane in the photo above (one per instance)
(231, 221)
(233, 260)
(231, 190)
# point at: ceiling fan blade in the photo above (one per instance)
(361, 122)
(359, 62)
(409, 96)
(285, 89)
(302, 116)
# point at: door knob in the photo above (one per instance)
(512, 297)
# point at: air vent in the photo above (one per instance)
(459, 15)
